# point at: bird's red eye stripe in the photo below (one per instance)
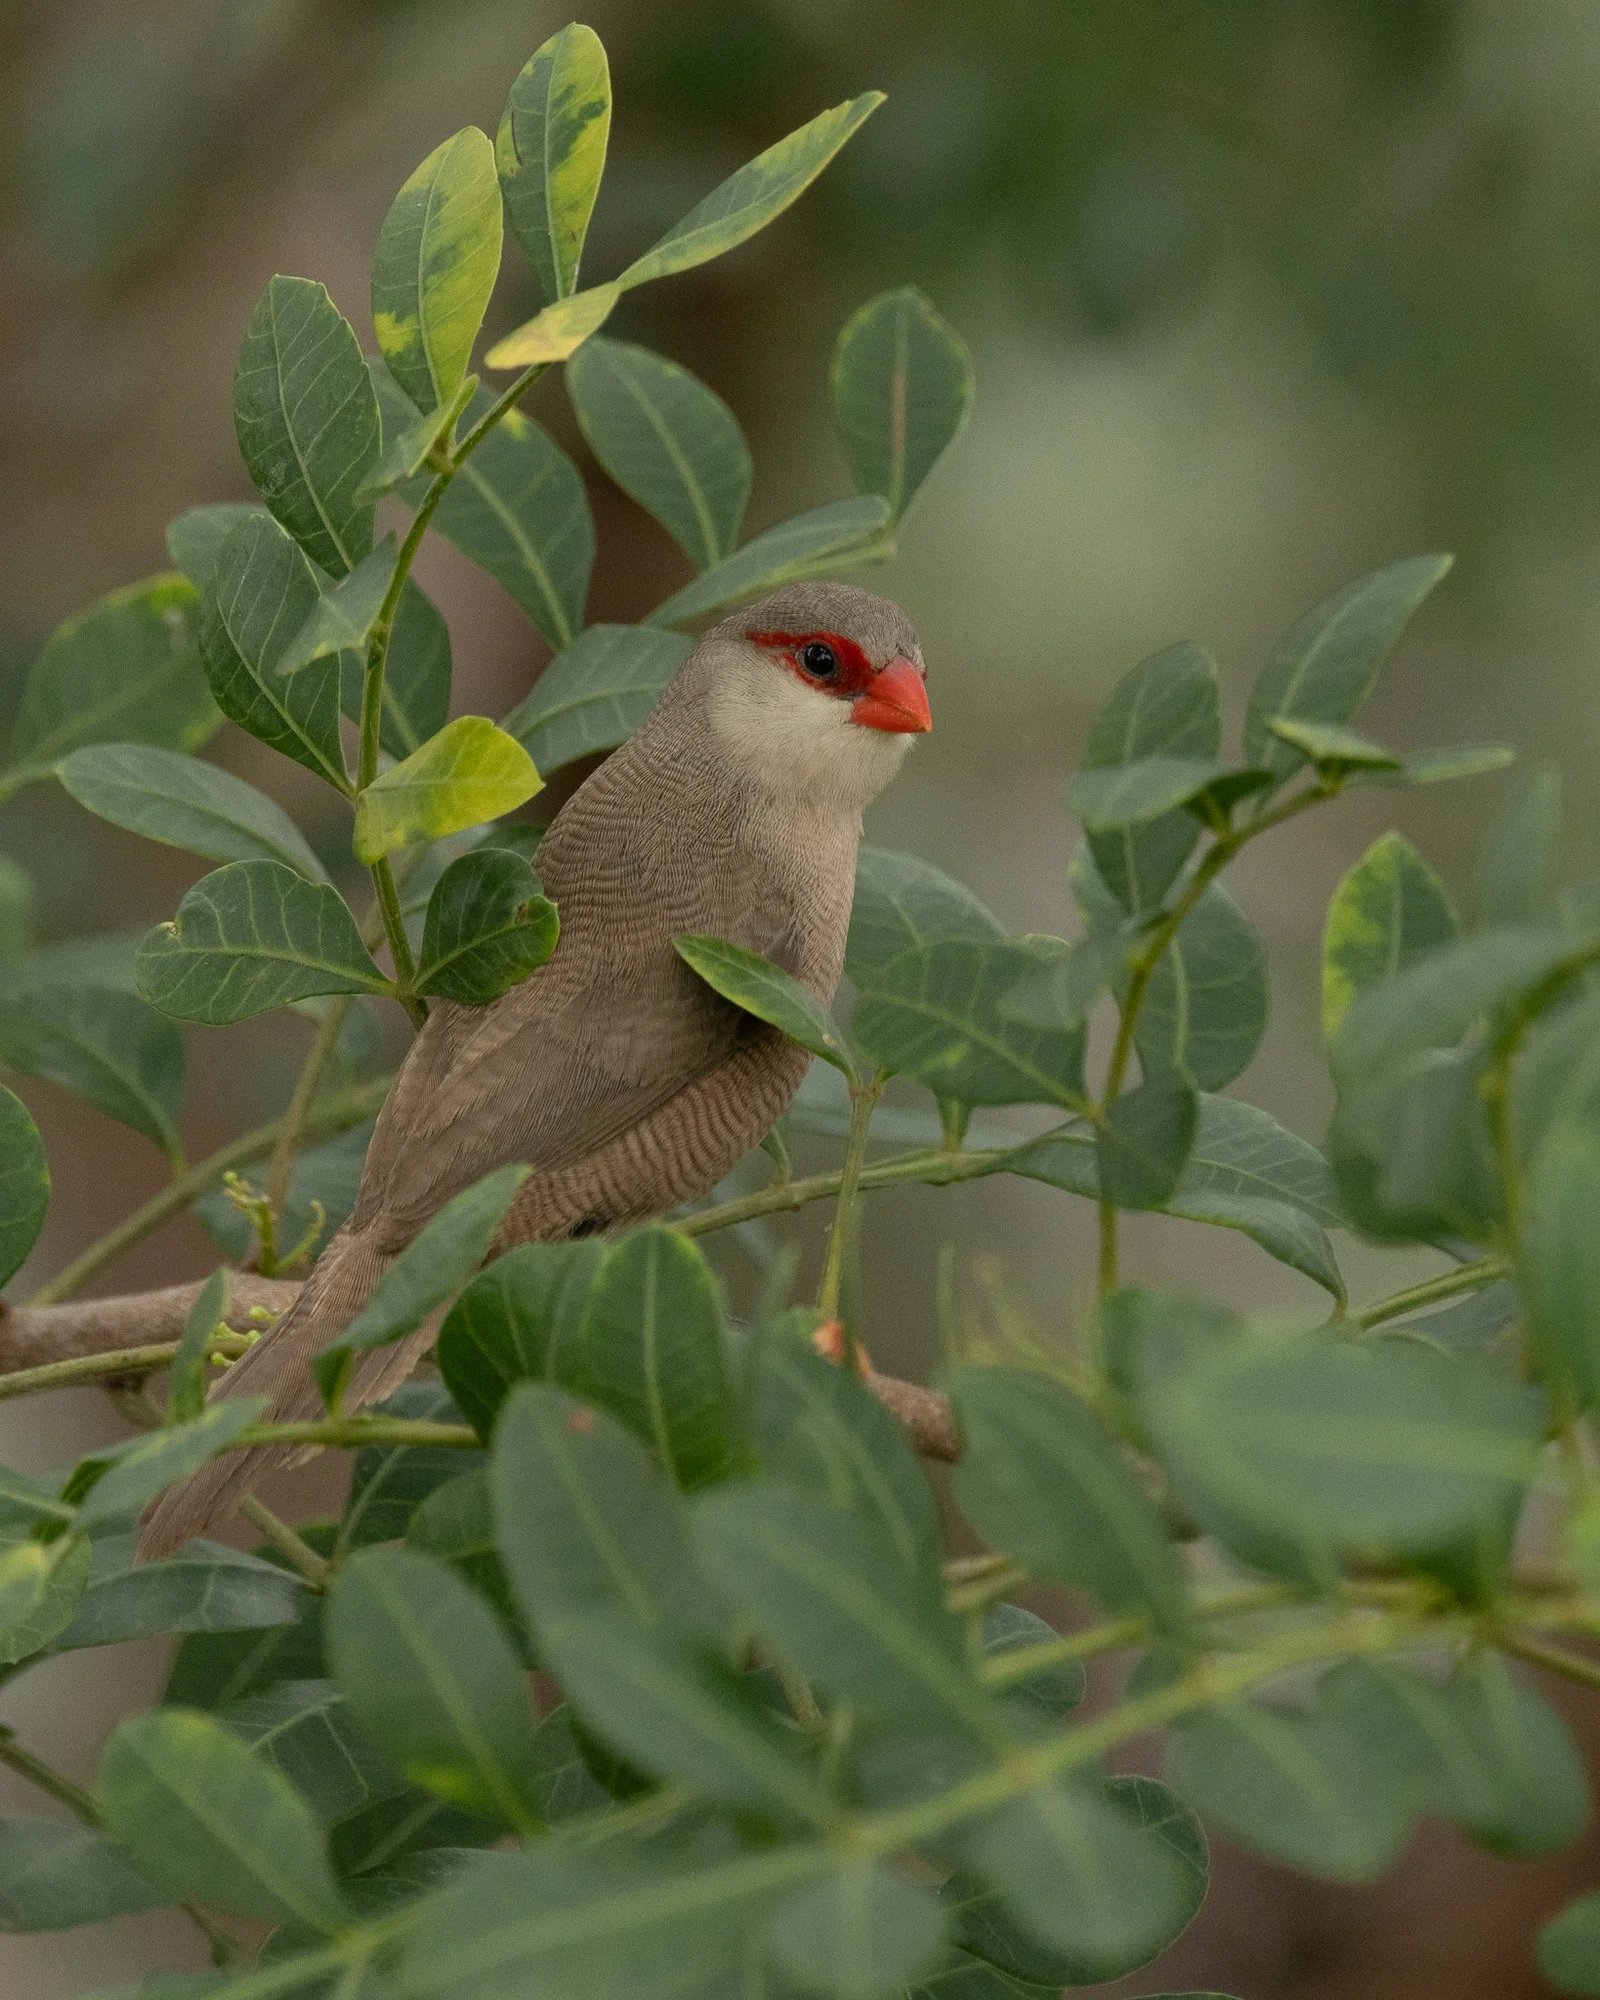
(855, 670)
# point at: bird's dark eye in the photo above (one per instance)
(818, 659)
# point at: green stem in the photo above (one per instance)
(94, 1367)
(926, 1167)
(333, 1432)
(336, 1112)
(78, 1802)
(394, 927)
(863, 1102)
(287, 1144)
(1466, 1278)
(298, 1553)
(1142, 969)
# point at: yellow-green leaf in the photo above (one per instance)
(551, 152)
(470, 772)
(437, 259)
(1390, 910)
(558, 331)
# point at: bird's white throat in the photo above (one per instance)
(800, 742)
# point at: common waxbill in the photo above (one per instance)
(623, 1080)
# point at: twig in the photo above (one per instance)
(38, 1336)
(1554, 1659)
(297, 1552)
(1465, 1278)
(96, 1367)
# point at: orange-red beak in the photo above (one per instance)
(897, 701)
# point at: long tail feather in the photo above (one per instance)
(279, 1366)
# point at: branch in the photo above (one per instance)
(37, 1336)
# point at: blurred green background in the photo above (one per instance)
(1261, 293)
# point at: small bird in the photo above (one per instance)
(624, 1081)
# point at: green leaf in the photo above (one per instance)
(344, 615)
(771, 994)
(408, 446)
(195, 538)
(1324, 667)
(1245, 1172)
(437, 258)
(832, 1596)
(412, 1822)
(1097, 1874)
(1167, 707)
(1337, 752)
(122, 1479)
(24, 1183)
(677, 1709)
(104, 1046)
(1569, 1947)
(184, 803)
(416, 683)
(1047, 1693)
(455, 1525)
(1144, 1142)
(820, 1428)
(1307, 1452)
(986, 1929)
(53, 1877)
(748, 200)
(1387, 912)
(935, 1012)
(263, 592)
(208, 1588)
(1457, 760)
(860, 1933)
(587, 1522)
(125, 670)
(1117, 796)
(186, 1397)
(1300, 1788)
(596, 693)
(1481, 1749)
(470, 772)
(512, 1322)
(41, 1587)
(251, 936)
(592, 1924)
(307, 420)
(804, 546)
(651, 1349)
(1517, 860)
(1559, 1258)
(1043, 1481)
(489, 925)
(517, 508)
(390, 1482)
(1205, 1009)
(18, 909)
(433, 1681)
(551, 152)
(901, 902)
(902, 388)
(305, 1730)
(433, 1267)
(667, 440)
(205, 1818)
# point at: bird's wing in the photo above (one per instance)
(596, 1040)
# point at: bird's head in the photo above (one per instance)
(818, 688)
